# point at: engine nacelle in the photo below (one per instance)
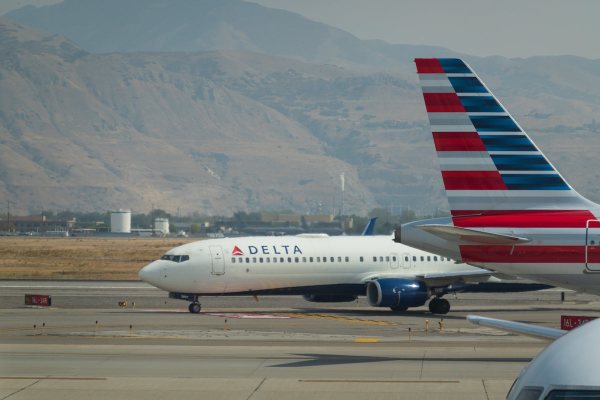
(329, 298)
(393, 292)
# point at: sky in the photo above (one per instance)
(511, 28)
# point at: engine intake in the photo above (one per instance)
(397, 293)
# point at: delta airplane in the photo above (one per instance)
(322, 268)
(511, 211)
(566, 369)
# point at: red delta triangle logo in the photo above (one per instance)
(236, 251)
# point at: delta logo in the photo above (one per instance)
(284, 249)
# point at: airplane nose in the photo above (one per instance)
(150, 273)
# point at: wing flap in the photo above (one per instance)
(454, 233)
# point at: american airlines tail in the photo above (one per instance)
(511, 210)
(489, 164)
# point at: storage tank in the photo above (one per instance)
(120, 221)
(161, 226)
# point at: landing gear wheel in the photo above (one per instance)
(439, 306)
(399, 308)
(194, 308)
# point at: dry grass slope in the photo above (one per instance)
(79, 258)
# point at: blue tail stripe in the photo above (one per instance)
(467, 85)
(534, 182)
(507, 143)
(454, 66)
(494, 124)
(480, 104)
(521, 163)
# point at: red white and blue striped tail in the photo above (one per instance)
(489, 165)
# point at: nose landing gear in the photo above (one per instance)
(194, 307)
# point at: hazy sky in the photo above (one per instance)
(513, 28)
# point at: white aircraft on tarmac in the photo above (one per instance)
(512, 212)
(566, 369)
(322, 268)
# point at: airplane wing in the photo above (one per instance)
(456, 234)
(539, 332)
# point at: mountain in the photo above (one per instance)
(227, 130)
(203, 25)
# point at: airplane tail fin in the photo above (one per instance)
(489, 164)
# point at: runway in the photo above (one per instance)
(278, 348)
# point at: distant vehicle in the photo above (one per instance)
(512, 212)
(182, 234)
(566, 369)
(322, 268)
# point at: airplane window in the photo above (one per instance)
(324, 259)
(374, 259)
(394, 258)
(339, 259)
(381, 258)
(304, 259)
(297, 259)
(361, 258)
(318, 259)
(347, 259)
(241, 260)
(414, 258)
(176, 258)
(428, 258)
(560, 394)
(405, 259)
(233, 260)
(387, 258)
(532, 393)
(247, 260)
(275, 259)
(422, 258)
(268, 260)
(254, 260)
(434, 258)
(281, 259)
(184, 258)
(332, 259)
(260, 260)
(289, 259)
(310, 259)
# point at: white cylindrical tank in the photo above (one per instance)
(161, 225)
(120, 221)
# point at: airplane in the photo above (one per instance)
(322, 268)
(566, 369)
(511, 210)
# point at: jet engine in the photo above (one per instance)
(397, 294)
(329, 298)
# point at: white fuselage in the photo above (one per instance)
(259, 264)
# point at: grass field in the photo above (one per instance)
(79, 258)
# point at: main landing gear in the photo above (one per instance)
(437, 305)
(195, 306)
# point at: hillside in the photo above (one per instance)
(221, 131)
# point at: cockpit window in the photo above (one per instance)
(574, 394)
(175, 258)
(530, 393)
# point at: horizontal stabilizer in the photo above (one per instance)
(454, 233)
(458, 275)
(539, 332)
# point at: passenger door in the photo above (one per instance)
(218, 262)
(592, 245)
